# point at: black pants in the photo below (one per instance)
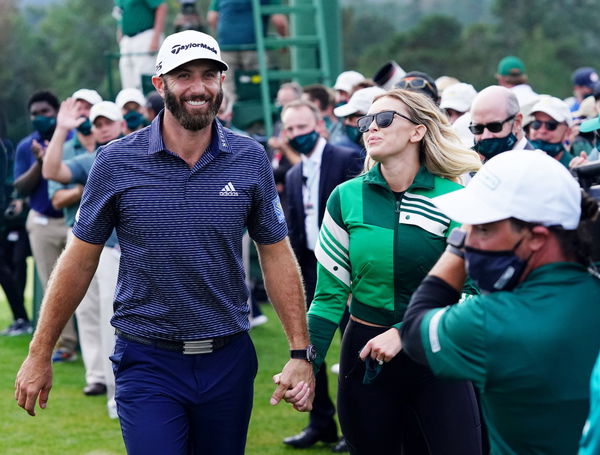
(13, 269)
(406, 410)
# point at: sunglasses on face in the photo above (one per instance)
(493, 127)
(382, 120)
(550, 126)
(416, 83)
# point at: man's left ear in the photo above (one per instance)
(539, 237)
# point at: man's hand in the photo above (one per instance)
(34, 380)
(383, 347)
(38, 149)
(68, 117)
(295, 384)
(578, 160)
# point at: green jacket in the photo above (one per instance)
(529, 351)
(377, 246)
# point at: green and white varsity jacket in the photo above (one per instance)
(378, 246)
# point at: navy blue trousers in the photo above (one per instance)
(172, 403)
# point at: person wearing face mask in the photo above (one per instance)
(529, 343)
(550, 128)
(93, 314)
(346, 133)
(131, 102)
(496, 122)
(379, 237)
(308, 184)
(45, 224)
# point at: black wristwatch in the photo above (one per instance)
(309, 354)
(456, 242)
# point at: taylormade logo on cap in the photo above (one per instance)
(180, 48)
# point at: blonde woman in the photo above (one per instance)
(380, 236)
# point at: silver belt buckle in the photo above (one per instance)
(198, 347)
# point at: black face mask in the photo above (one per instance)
(494, 271)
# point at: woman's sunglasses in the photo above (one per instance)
(493, 127)
(382, 120)
(550, 126)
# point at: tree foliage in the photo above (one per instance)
(62, 46)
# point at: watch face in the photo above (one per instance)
(457, 238)
(311, 353)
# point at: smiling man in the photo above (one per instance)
(180, 194)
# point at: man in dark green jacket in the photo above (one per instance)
(530, 341)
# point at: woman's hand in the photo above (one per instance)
(384, 347)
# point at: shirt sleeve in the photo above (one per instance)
(266, 222)
(333, 277)
(97, 215)
(23, 158)
(80, 167)
(454, 340)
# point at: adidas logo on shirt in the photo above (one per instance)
(228, 190)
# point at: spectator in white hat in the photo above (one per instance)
(346, 133)
(344, 84)
(457, 99)
(551, 127)
(131, 101)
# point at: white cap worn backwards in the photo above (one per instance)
(525, 184)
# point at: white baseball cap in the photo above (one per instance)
(525, 184)
(128, 95)
(85, 94)
(458, 96)
(359, 102)
(106, 109)
(183, 47)
(555, 108)
(348, 79)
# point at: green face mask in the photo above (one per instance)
(134, 119)
(353, 133)
(495, 145)
(305, 142)
(85, 128)
(552, 149)
(44, 125)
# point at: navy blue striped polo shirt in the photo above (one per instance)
(181, 274)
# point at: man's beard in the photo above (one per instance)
(193, 122)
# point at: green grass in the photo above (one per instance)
(74, 424)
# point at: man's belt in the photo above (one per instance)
(205, 346)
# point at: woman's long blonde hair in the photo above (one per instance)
(441, 150)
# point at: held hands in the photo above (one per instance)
(384, 347)
(295, 384)
(68, 117)
(34, 380)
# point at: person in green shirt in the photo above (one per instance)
(529, 342)
(379, 237)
